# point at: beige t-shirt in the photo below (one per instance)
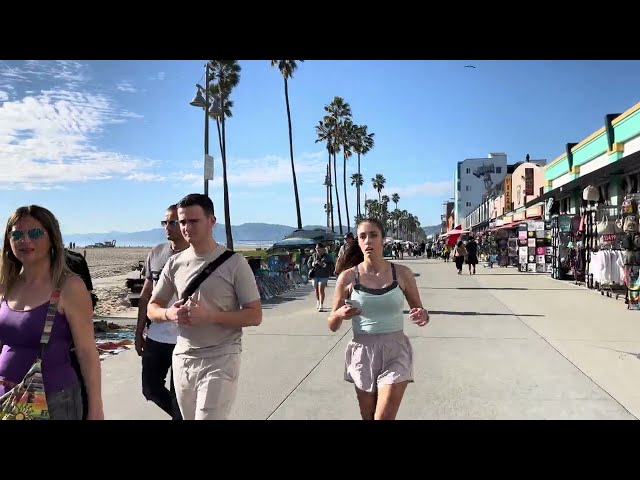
(232, 284)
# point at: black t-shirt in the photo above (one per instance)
(472, 247)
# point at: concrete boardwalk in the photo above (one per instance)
(500, 345)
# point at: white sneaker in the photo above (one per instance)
(321, 308)
(318, 306)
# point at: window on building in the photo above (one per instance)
(468, 171)
(468, 188)
(498, 169)
(468, 204)
(519, 194)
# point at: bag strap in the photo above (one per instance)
(52, 309)
(208, 270)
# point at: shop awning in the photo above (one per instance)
(507, 226)
(624, 166)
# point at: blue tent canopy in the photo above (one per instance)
(295, 242)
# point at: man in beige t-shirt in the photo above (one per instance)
(206, 359)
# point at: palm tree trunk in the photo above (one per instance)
(219, 135)
(225, 184)
(335, 177)
(344, 181)
(326, 187)
(293, 168)
(358, 211)
(333, 225)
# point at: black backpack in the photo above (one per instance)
(78, 265)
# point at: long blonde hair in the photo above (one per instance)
(10, 266)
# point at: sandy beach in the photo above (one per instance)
(112, 262)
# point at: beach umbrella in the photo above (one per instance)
(316, 234)
(295, 242)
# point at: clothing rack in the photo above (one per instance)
(615, 288)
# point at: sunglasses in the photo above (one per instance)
(33, 234)
(171, 223)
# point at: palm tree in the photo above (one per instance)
(395, 198)
(287, 67)
(214, 92)
(357, 181)
(337, 110)
(324, 133)
(362, 144)
(226, 76)
(378, 184)
(346, 139)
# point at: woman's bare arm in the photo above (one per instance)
(339, 310)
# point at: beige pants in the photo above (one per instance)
(206, 387)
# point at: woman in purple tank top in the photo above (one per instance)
(33, 267)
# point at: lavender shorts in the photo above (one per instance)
(378, 359)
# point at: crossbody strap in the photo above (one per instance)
(204, 274)
(52, 309)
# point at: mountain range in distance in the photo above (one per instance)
(250, 233)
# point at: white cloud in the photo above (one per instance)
(66, 72)
(48, 139)
(145, 177)
(29, 186)
(426, 189)
(4, 96)
(262, 171)
(126, 86)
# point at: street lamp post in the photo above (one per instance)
(209, 109)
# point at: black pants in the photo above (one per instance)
(156, 363)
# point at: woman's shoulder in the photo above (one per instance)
(347, 276)
(72, 284)
(402, 271)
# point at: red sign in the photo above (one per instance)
(528, 181)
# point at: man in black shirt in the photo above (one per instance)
(472, 254)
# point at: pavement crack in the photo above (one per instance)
(308, 373)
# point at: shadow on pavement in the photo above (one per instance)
(486, 314)
(480, 272)
(501, 288)
(299, 293)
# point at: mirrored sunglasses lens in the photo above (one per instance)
(35, 233)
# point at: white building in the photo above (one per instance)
(474, 177)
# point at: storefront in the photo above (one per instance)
(596, 243)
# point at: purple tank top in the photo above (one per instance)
(20, 333)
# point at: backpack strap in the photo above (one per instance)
(48, 323)
(202, 276)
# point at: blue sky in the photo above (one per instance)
(107, 145)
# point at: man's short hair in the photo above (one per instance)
(348, 235)
(172, 207)
(320, 245)
(198, 199)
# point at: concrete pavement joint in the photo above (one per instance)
(289, 334)
(564, 356)
(308, 373)
(466, 338)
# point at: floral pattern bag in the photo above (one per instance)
(27, 400)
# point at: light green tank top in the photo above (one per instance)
(382, 308)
